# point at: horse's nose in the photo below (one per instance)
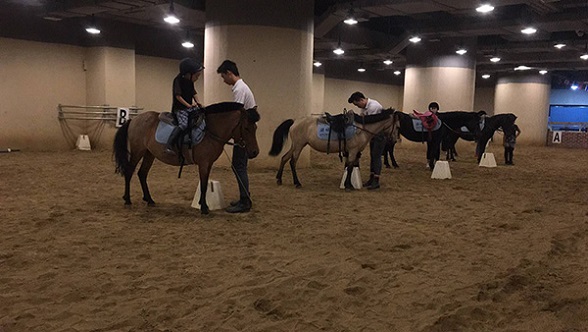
(253, 154)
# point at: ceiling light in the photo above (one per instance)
(361, 69)
(486, 76)
(92, 28)
(485, 8)
(338, 51)
(171, 17)
(522, 68)
(187, 44)
(543, 72)
(559, 46)
(574, 86)
(529, 30)
(388, 62)
(397, 72)
(350, 18)
(461, 51)
(52, 18)
(584, 56)
(415, 39)
(317, 64)
(495, 59)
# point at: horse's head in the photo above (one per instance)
(392, 132)
(245, 132)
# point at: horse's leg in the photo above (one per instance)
(295, 154)
(133, 161)
(348, 184)
(392, 158)
(204, 171)
(142, 174)
(285, 158)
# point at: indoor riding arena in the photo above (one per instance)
(485, 242)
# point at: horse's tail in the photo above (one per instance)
(280, 136)
(120, 151)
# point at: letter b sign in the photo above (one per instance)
(122, 116)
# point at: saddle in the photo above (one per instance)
(338, 123)
(429, 120)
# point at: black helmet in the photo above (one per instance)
(190, 66)
(434, 105)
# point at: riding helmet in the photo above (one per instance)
(434, 105)
(190, 66)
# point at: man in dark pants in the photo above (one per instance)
(241, 94)
(378, 142)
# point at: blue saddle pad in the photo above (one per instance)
(482, 123)
(417, 125)
(164, 130)
(323, 132)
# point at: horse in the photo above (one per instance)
(303, 131)
(506, 121)
(433, 139)
(224, 121)
(464, 125)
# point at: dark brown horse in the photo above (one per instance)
(135, 140)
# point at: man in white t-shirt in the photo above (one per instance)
(378, 142)
(241, 94)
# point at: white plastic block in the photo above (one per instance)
(83, 143)
(355, 178)
(214, 196)
(488, 160)
(441, 170)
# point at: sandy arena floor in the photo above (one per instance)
(493, 249)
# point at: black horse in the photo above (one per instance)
(432, 138)
(505, 121)
(464, 125)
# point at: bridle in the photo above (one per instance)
(241, 142)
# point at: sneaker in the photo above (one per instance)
(374, 185)
(234, 203)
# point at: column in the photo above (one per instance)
(272, 44)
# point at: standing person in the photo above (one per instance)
(509, 141)
(241, 94)
(378, 142)
(185, 98)
(434, 107)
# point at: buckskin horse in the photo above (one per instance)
(506, 121)
(224, 121)
(303, 132)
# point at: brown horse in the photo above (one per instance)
(303, 132)
(224, 121)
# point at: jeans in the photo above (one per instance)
(240, 169)
(377, 145)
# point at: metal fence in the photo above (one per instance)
(105, 112)
(568, 126)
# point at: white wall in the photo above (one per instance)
(484, 100)
(337, 93)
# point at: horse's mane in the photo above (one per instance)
(223, 107)
(369, 119)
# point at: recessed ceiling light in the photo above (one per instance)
(338, 51)
(350, 21)
(584, 56)
(317, 64)
(522, 68)
(171, 19)
(485, 8)
(495, 59)
(486, 76)
(559, 46)
(52, 18)
(397, 72)
(461, 51)
(93, 30)
(361, 69)
(543, 72)
(388, 62)
(529, 30)
(415, 39)
(188, 44)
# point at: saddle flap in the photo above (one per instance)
(167, 117)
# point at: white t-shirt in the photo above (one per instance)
(242, 94)
(372, 107)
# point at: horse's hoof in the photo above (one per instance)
(349, 189)
(205, 212)
(151, 204)
(279, 182)
(127, 203)
(298, 185)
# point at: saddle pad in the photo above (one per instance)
(323, 132)
(417, 125)
(164, 130)
(464, 129)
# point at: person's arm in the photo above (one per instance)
(517, 131)
(197, 102)
(182, 101)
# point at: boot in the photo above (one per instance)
(244, 205)
(169, 147)
(375, 183)
(369, 182)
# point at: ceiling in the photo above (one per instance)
(382, 32)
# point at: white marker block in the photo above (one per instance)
(214, 196)
(355, 178)
(441, 170)
(83, 143)
(488, 160)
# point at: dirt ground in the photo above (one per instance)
(493, 249)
